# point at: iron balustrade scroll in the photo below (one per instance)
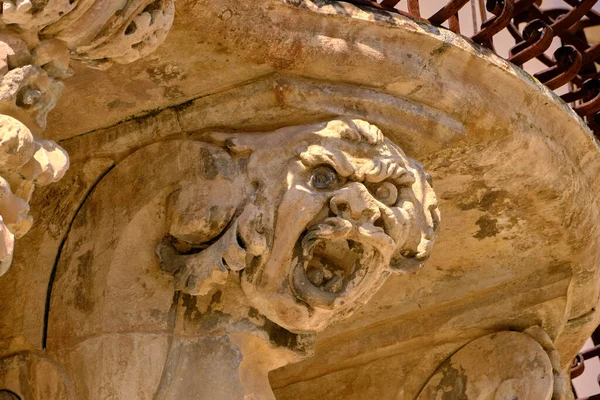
(533, 29)
(578, 365)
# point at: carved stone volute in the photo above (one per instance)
(37, 41)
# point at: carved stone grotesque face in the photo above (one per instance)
(332, 210)
(347, 208)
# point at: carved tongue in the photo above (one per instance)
(329, 261)
(334, 285)
(321, 269)
(325, 279)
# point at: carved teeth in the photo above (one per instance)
(319, 271)
(334, 285)
(327, 268)
(316, 276)
(325, 279)
(328, 263)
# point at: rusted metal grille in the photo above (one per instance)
(533, 28)
(578, 366)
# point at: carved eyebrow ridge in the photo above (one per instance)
(388, 168)
(318, 155)
(381, 169)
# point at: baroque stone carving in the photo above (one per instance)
(314, 229)
(270, 237)
(37, 41)
(518, 249)
(301, 227)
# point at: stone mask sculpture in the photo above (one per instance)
(269, 237)
(321, 215)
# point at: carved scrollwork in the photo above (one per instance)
(97, 34)
(37, 41)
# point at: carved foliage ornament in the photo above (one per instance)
(323, 215)
(37, 41)
(95, 32)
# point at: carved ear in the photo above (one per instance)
(430, 224)
(425, 226)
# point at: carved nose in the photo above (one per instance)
(355, 203)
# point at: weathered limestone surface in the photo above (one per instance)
(516, 173)
(504, 365)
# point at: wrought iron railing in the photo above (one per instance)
(578, 366)
(533, 28)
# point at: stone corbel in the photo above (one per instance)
(37, 42)
(265, 239)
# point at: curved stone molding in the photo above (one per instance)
(8, 395)
(37, 40)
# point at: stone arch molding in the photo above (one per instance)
(219, 243)
(37, 41)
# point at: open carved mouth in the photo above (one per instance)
(330, 262)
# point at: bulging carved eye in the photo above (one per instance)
(324, 177)
(387, 193)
